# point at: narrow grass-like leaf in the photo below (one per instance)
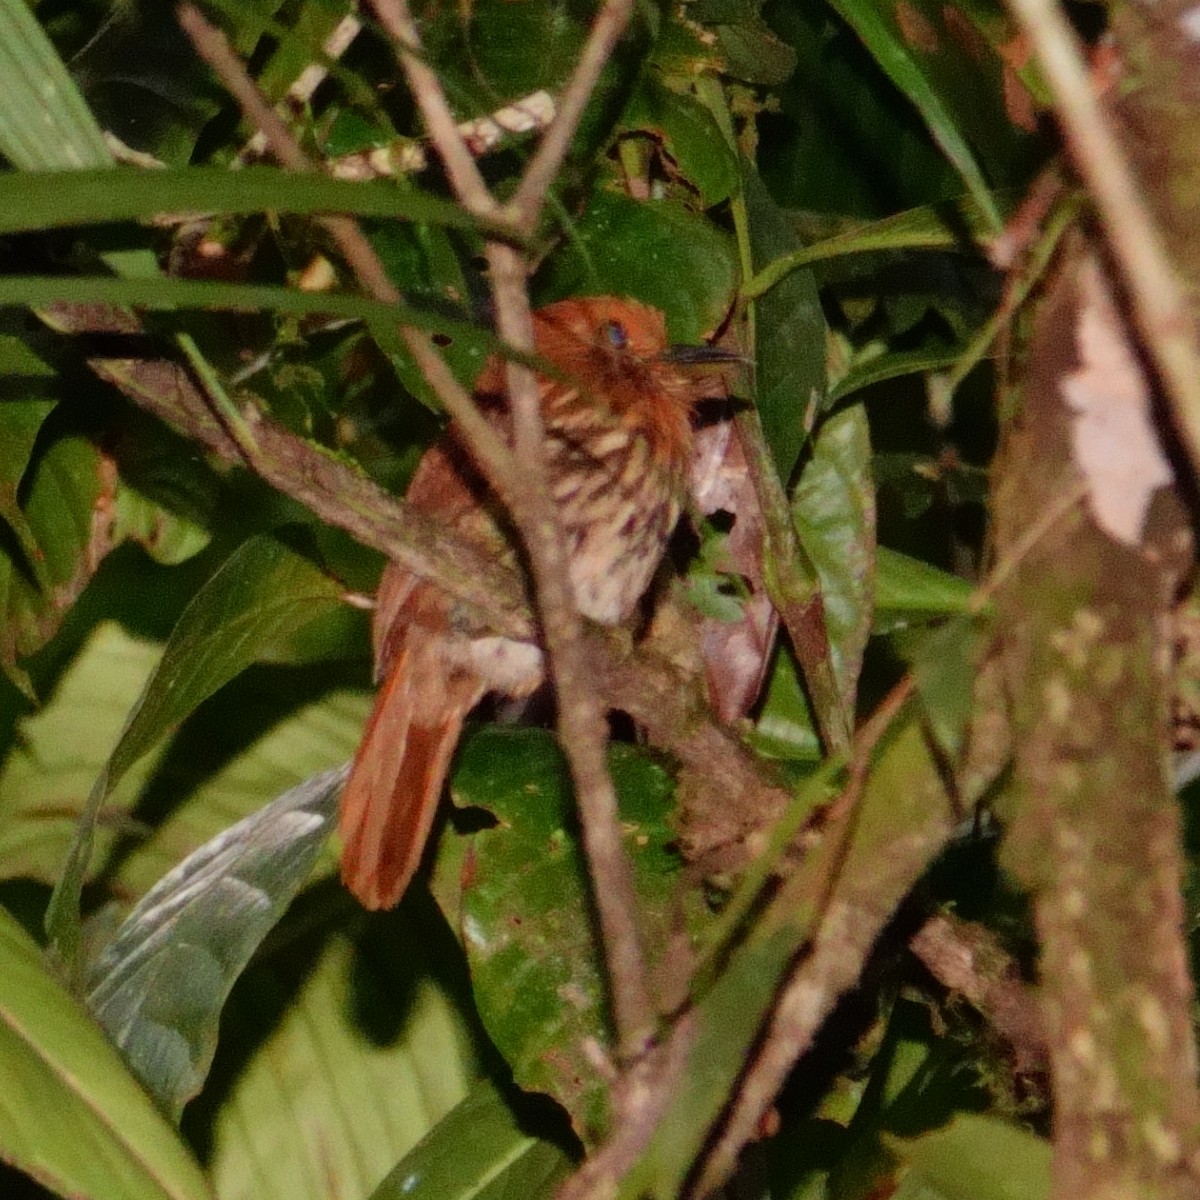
(44, 122)
(895, 56)
(163, 293)
(71, 1115)
(160, 984)
(264, 592)
(31, 200)
(477, 1151)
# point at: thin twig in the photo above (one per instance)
(1160, 302)
(969, 960)
(791, 579)
(487, 448)
(606, 32)
(582, 725)
(440, 123)
(845, 933)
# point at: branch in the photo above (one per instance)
(582, 724)
(1159, 300)
(487, 448)
(531, 194)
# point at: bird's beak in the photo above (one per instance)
(701, 356)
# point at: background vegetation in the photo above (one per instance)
(913, 897)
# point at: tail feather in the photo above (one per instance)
(391, 798)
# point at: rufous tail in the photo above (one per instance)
(392, 796)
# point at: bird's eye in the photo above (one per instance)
(614, 331)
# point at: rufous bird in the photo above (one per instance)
(618, 440)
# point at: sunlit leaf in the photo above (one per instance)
(71, 1115)
(160, 984)
(265, 591)
(338, 1054)
(975, 1158)
(477, 1151)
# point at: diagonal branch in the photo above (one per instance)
(582, 724)
(487, 448)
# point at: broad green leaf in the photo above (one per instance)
(657, 252)
(689, 135)
(974, 1158)
(44, 123)
(789, 329)
(338, 1053)
(147, 84)
(911, 592)
(477, 1151)
(71, 1115)
(945, 666)
(159, 986)
(48, 200)
(215, 777)
(526, 914)
(263, 592)
(785, 727)
(29, 386)
(59, 750)
(834, 510)
(749, 48)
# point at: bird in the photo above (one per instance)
(617, 415)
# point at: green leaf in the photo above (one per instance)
(263, 593)
(526, 912)
(58, 545)
(789, 332)
(159, 986)
(59, 749)
(785, 727)
(215, 774)
(477, 1151)
(338, 1053)
(44, 122)
(146, 83)
(911, 592)
(946, 226)
(834, 510)
(689, 135)
(945, 665)
(880, 368)
(657, 252)
(71, 1115)
(937, 76)
(974, 1158)
(49, 200)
